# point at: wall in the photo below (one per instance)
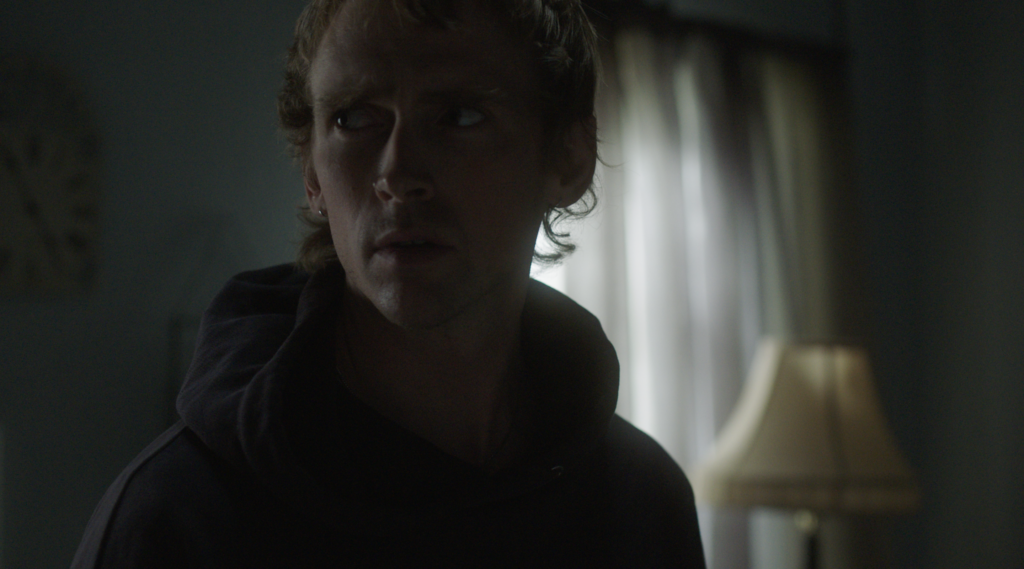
(814, 20)
(196, 186)
(971, 238)
(938, 87)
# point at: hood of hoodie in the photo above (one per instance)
(264, 395)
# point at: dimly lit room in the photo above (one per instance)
(832, 184)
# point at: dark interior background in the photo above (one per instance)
(197, 186)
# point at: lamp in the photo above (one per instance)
(808, 433)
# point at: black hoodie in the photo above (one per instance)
(275, 464)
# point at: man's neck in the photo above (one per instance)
(452, 386)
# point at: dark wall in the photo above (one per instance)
(971, 238)
(196, 185)
(814, 20)
(938, 87)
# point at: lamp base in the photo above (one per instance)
(809, 524)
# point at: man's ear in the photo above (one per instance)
(314, 197)
(576, 163)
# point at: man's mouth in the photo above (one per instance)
(410, 248)
(410, 238)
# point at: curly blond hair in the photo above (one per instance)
(565, 48)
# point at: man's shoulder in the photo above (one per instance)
(652, 499)
(176, 503)
(273, 289)
(633, 454)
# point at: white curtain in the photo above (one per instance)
(714, 227)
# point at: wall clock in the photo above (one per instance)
(49, 182)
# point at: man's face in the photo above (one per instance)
(428, 159)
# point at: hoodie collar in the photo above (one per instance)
(263, 394)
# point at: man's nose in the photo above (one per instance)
(404, 173)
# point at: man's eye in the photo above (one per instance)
(354, 119)
(463, 116)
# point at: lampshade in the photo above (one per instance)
(808, 433)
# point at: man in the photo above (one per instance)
(411, 397)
